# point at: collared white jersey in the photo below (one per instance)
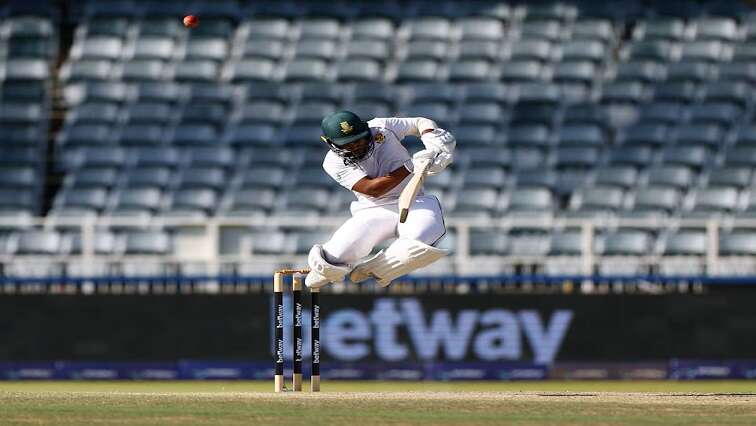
(388, 155)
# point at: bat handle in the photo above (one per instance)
(403, 215)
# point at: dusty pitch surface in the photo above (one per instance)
(147, 405)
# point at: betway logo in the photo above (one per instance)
(399, 329)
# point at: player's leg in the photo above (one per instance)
(412, 250)
(425, 221)
(354, 240)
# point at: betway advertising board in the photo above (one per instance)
(428, 336)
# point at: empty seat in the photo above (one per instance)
(194, 134)
(642, 71)
(739, 177)
(248, 202)
(481, 28)
(305, 70)
(91, 69)
(432, 28)
(566, 244)
(92, 178)
(312, 112)
(715, 28)
(476, 134)
(669, 113)
(150, 177)
(644, 135)
(203, 177)
(152, 47)
(269, 28)
(597, 200)
(685, 243)
(319, 28)
(689, 71)
(89, 199)
(141, 134)
(593, 29)
(267, 49)
(368, 27)
(715, 200)
(143, 70)
(532, 50)
(627, 243)
(359, 70)
(18, 177)
(675, 176)
(418, 71)
(150, 243)
(706, 135)
(252, 69)
(162, 156)
(262, 176)
(716, 113)
(622, 176)
(741, 156)
(193, 201)
(44, 243)
(583, 50)
(580, 135)
(312, 199)
(98, 47)
(549, 30)
(734, 92)
(488, 243)
(485, 156)
(197, 70)
(206, 48)
(476, 202)
(567, 157)
(675, 91)
(710, 51)
(492, 177)
(137, 199)
(487, 50)
(519, 71)
(738, 244)
(691, 156)
(655, 200)
(471, 70)
(530, 200)
(529, 135)
(651, 50)
(662, 29)
(270, 243)
(530, 178)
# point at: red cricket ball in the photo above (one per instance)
(191, 21)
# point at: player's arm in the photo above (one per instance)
(377, 186)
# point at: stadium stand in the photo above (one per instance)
(565, 111)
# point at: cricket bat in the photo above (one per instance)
(407, 197)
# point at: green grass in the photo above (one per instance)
(380, 403)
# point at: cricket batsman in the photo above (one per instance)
(369, 159)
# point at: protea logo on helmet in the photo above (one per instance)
(346, 128)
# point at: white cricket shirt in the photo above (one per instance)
(388, 155)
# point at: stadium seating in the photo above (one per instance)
(562, 110)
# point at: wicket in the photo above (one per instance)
(296, 293)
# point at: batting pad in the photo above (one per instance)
(401, 257)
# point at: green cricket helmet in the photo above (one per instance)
(342, 128)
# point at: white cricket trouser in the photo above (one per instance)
(370, 226)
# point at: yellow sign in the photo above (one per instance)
(346, 128)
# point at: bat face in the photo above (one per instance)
(410, 191)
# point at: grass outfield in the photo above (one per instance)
(380, 403)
